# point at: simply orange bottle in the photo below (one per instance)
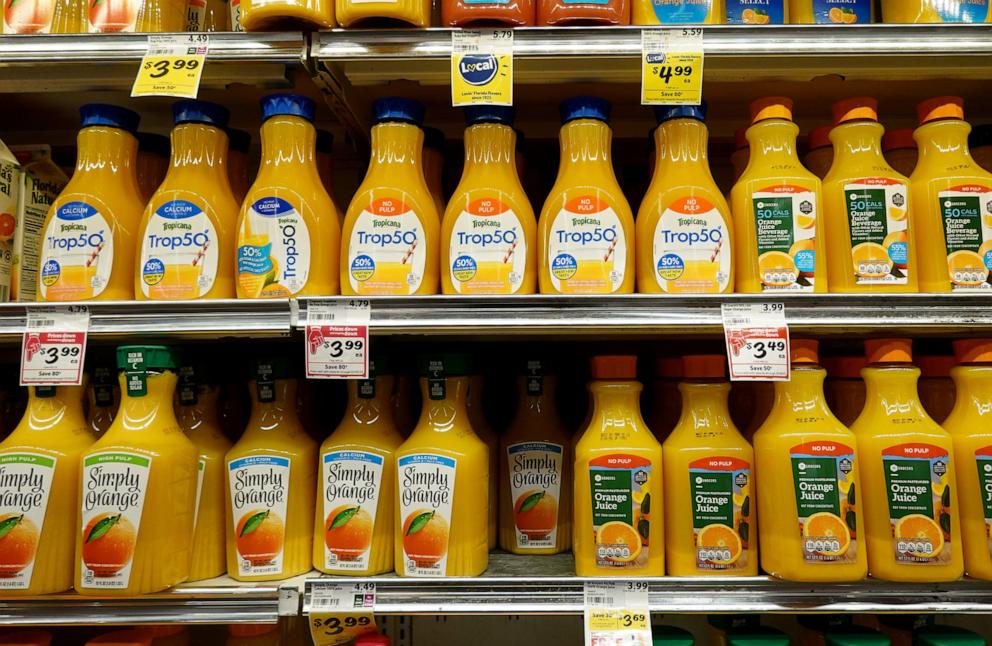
(484, 430)
(709, 480)
(912, 519)
(39, 489)
(618, 518)
(778, 242)
(88, 239)
(272, 483)
(137, 502)
(535, 470)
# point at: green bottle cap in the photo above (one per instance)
(759, 636)
(671, 636)
(854, 636)
(441, 364)
(946, 636)
(148, 357)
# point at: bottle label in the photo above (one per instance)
(535, 491)
(588, 250)
(201, 468)
(961, 11)
(919, 495)
(273, 250)
(966, 214)
(879, 228)
(178, 252)
(672, 12)
(25, 482)
(621, 508)
(112, 16)
(114, 488)
(721, 512)
(488, 251)
(352, 481)
(77, 254)
(259, 486)
(427, 487)
(196, 15)
(20, 17)
(387, 253)
(785, 224)
(983, 458)
(824, 478)
(236, 16)
(690, 252)
(755, 12)
(842, 12)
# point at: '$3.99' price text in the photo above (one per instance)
(163, 66)
(336, 625)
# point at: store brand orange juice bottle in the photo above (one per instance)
(535, 471)
(586, 230)
(808, 467)
(39, 489)
(936, 387)
(354, 527)
(488, 235)
(709, 480)
(867, 215)
(911, 512)
(482, 428)
(288, 233)
(186, 236)
(103, 398)
(618, 518)
(137, 501)
(776, 204)
(844, 389)
(390, 241)
(88, 239)
(271, 483)
(442, 506)
(683, 229)
(666, 400)
(239, 146)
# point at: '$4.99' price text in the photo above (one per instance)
(668, 72)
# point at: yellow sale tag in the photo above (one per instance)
(617, 620)
(172, 66)
(482, 67)
(340, 612)
(672, 66)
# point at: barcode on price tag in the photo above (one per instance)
(172, 65)
(616, 612)
(340, 612)
(337, 339)
(672, 66)
(757, 336)
(53, 348)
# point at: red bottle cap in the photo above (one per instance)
(940, 107)
(771, 107)
(614, 367)
(971, 351)
(372, 640)
(704, 366)
(804, 350)
(889, 350)
(859, 107)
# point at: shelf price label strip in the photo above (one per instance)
(53, 348)
(757, 337)
(616, 613)
(340, 612)
(672, 66)
(172, 66)
(337, 339)
(482, 67)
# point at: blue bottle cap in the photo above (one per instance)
(325, 141)
(151, 143)
(238, 140)
(668, 112)
(292, 104)
(191, 111)
(584, 107)
(395, 108)
(490, 114)
(434, 139)
(103, 114)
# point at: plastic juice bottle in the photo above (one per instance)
(186, 236)
(208, 15)
(820, 156)
(936, 387)
(139, 16)
(465, 13)
(932, 11)
(354, 527)
(911, 518)
(272, 485)
(867, 216)
(416, 13)
(135, 526)
(196, 411)
(952, 202)
(844, 388)
(153, 162)
(253, 635)
(586, 230)
(693, 12)
(582, 12)
(433, 158)
(70, 17)
(709, 480)
(899, 149)
(775, 206)
(666, 406)
(239, 145)
(756, 12)
(802, 448)
(741, 154)
(831, 12)
(39, 488)
(618, 526)
(442, 526)
(535, 471)
(263, 15)
(488, 235)
(484, 431)
(683, 229)
(980, 145)
(87, 248)
(103, 399)
(392, 227)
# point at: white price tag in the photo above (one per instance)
(481, 67)
(337, 339)
(616, 613)
(172, 65)
(757, 341)
(340, 612)
(53, 349)
(672, 66)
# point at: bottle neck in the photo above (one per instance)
(288, 142)
(63, 408)
(369, 400)
(536, 395)
(943, 140)
(681, 142)
(973, 385)
(803, 393)
(616, 403)
(704, 408)
(152, 411)
(444, 406)
(109, 152)
(275, 405)
(488, 147)
(773, 141)
(202, 414)
(396, 144)
(199, 150)
(893, 388)
(586, 143)
(858, 140)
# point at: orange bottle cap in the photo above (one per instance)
(935, 365)
(27, 638)
(889, 350)
(614, 367)
(969, 351)
(896, 139)
(740, 139)
(820, 137)
(940, 107)
(251, 630)
(771, 107)
(859, 107)
(704, 366)
(668, 367)
(804, 350)
(845, 367)
(123, 638)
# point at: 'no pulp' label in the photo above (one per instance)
(488, 252)
(387, 251)
(178, 252)
(621, 502)
(983, 459)
(919, 496)
(259, 486)
(25, 483)
(427, 488)
(966, 215)
(535, 492)
(690, 253)
(720, 487)
(587, 250)
(77, 253)
(351, 483)
(824, 479)
(785, 225)
(878, 222)
(114, 488)
(273, 250)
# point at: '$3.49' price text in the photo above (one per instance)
(760, 349)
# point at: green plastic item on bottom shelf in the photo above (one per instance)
(946, 636)
(757, 636)
(854, 636)
(671, 636)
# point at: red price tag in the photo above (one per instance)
(757, 338)
(337, 339)
(53, 349)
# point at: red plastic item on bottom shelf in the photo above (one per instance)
(372, 640)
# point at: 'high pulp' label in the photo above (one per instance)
(273, 250)
(387, 251)
(534, 469)
(785, 225)
(879, 226)
(77, 253)
(824, 481)
(427, 489)
(691, 253)
(351, 482)
(966, 216)
(259, 486)
(720, 487)
(488, 253)
(587, 249)
(621, 500)
(178, 252)
(25, 483)
(919, 496)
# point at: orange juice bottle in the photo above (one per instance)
(666, 400)
(586, 230)
(434, 165)
(138, 16)
(353, 530)
(185, 239)
(912, 520)
(488, 235)
(618, 518)
(952, 202)
(288, 233)
(39, 489)
(417, 13)
(442, 526)
(103, 397)
(808, 467)
(484, 431)
(87, 244)
(390, 239)
(936, 387)
(844, 389)
(262, 15)
(239, 145)
(135, 526)
(535, 471)
(775, 206)
(684, 242)
(271, 484)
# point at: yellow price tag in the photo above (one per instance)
(172, 66)
(672, 66)
(482, 67)
(616, 612)
(340, 612)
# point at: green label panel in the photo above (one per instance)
(712, 497)
(962, 219)
(611, 496)
(985, 482)
(815, 481)
(867, 215)
(774, 223)
(908, 486)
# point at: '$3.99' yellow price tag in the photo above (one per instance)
(340, 612)
(172, 66)
(672, 66)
